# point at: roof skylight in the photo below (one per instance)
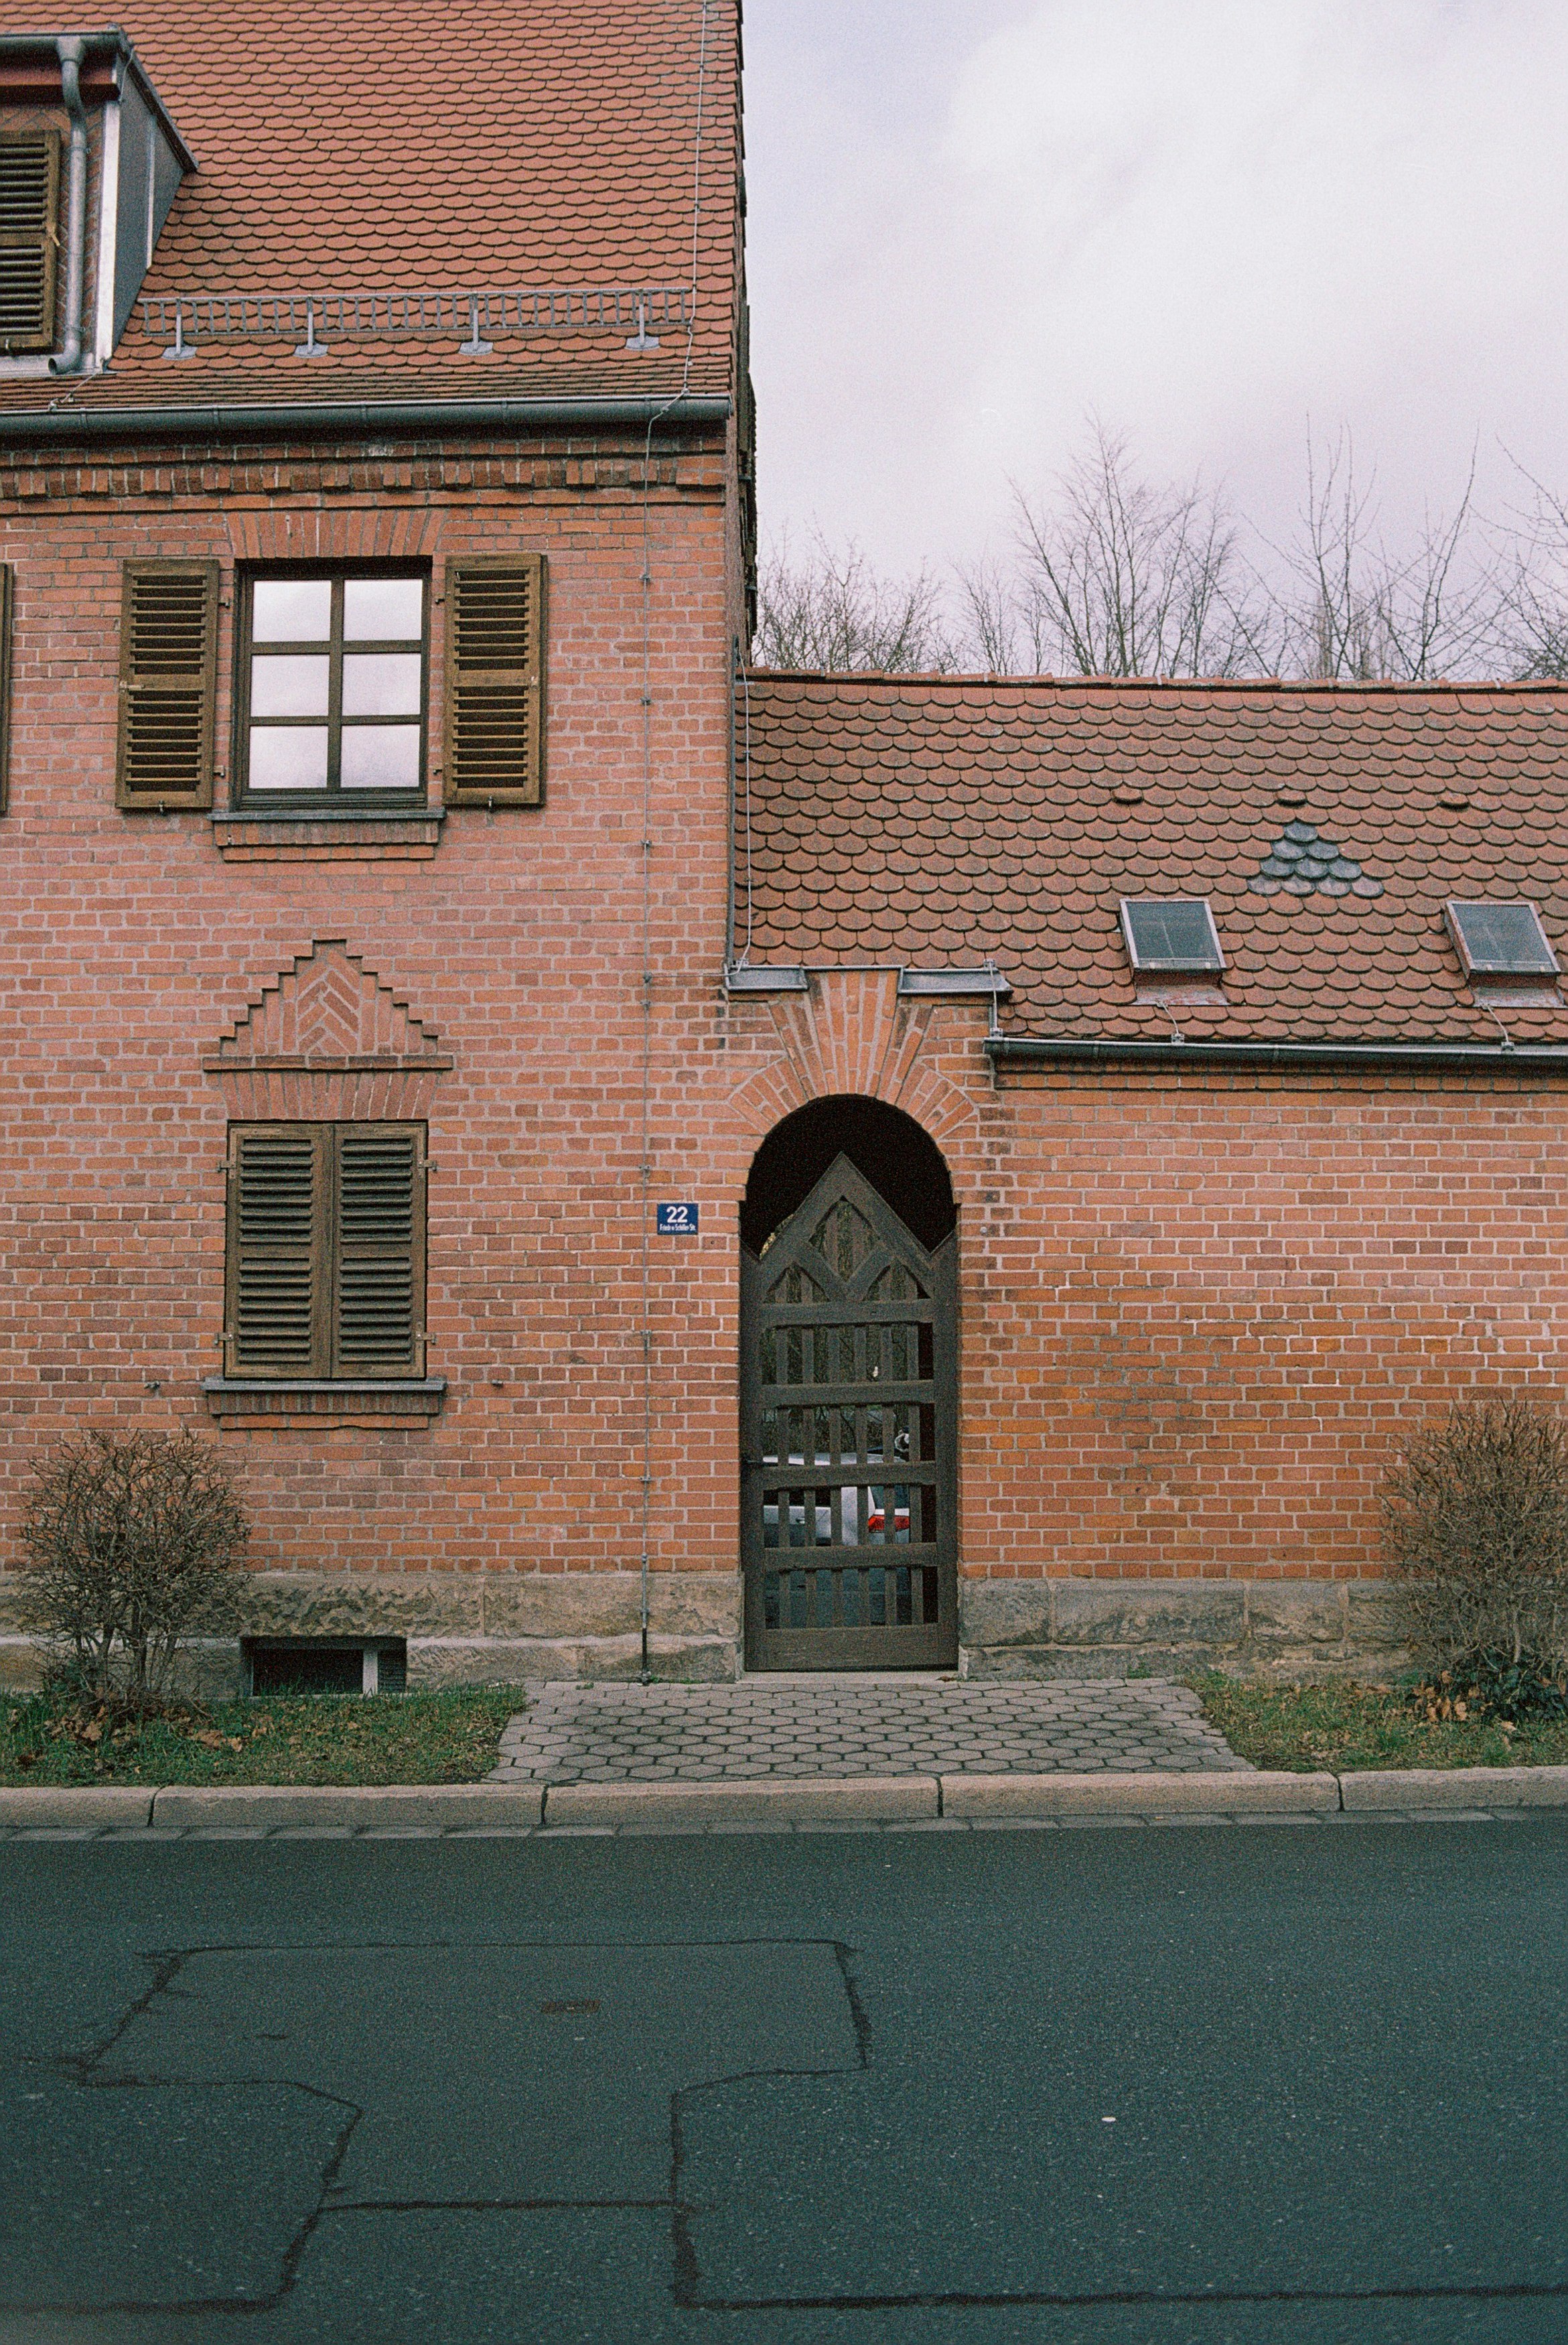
(1176, 938)
(1500, 940)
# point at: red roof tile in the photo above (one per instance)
(379, 146)
(979, 817)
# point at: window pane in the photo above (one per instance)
(288, 686)
(288, 757)
(384, 610)
(381, 758)
(291, 611)
(380, 684)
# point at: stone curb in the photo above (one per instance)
(1154, 1792)
(457, 1807)
(1365, 1793)
(280, 1807)
(40, 1807)
(801, 1799)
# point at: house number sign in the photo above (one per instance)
(677, 1221)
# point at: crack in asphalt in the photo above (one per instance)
(686, 2278)
(1153, 2298)
(167, 1966)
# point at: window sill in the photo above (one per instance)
(315, 1400)
(321, 834)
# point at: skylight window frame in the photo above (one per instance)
(1479, 973)
(1188, 966)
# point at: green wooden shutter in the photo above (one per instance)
(29, 238)
(495, 682)
(168, 674)
(378, 1286)
(279, 1202)
(7, 587)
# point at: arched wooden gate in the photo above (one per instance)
(849, 1438)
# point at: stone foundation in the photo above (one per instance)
(514, 1628)
(487, 1629)
(1167, 1628)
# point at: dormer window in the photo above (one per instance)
(89, 166)
(1174, 938)
(29, 238)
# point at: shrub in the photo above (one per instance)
(133, 1542)
(1475, 1532)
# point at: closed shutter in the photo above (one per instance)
(7, 581)
(279, 1196)
(495, 682)
(325, 1249)
(379, 1294)
(29, 238)
(169, 672)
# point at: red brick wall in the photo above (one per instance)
(130, 946)
(1193, 1313)
(1198, 1315)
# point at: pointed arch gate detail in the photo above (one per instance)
(849, 1438)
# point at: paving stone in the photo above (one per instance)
(618, 1732)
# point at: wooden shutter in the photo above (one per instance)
(495, 682)
(7, 583)
(29, 238)
(378, 1287)
(325, 1249)
(168, 673)
(278, 1199)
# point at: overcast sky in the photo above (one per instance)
(973, 221)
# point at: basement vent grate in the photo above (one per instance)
(325, 1664)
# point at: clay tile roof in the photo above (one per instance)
(385, 145)
(934, 821)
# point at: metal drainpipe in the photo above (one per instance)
(70, 48)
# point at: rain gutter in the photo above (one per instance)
(1045, 1050)
(49, 427)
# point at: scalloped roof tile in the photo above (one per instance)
(976, 815)
(470, 143)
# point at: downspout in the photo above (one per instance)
(70, 48)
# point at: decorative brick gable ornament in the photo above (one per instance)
(327, 1042)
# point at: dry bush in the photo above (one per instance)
(133, 1541)
(1475, 1532)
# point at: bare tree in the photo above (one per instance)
(833, 611)
(1353, 610)
(1117, 577)
(1536, 598)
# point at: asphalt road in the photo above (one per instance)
(1220, 2083)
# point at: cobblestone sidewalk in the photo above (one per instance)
(847, 1726)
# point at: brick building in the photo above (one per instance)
(881, 1166)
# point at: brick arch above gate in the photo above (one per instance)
(853, 1033)
(328, 1041)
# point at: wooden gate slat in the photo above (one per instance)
(906, 1383)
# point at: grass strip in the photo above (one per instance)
(445, 1737)
(1340, 1724)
